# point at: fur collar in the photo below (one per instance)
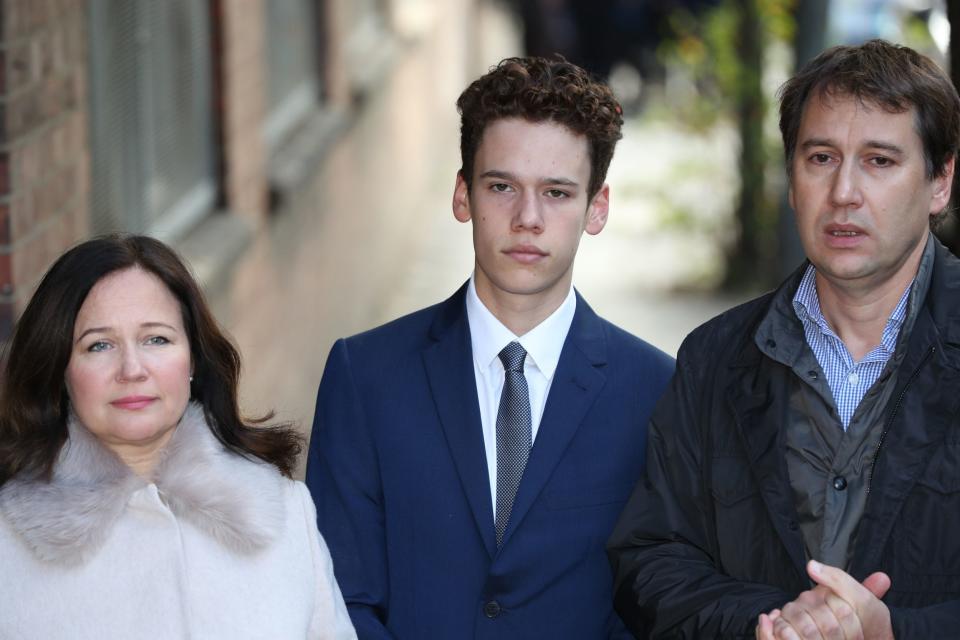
(235, 500)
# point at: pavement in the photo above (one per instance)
(371, 235)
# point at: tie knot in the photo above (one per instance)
(512, 357)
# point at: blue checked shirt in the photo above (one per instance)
(849, 381)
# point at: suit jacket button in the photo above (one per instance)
(839, 483)
(491, 609)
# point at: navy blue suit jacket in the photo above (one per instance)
(399, 475)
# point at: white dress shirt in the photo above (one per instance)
(543, 344)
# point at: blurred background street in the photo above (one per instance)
(372, 236)
(301, 154)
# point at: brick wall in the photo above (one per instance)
(44, 155)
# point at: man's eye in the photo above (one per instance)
(881, 161)
(557, 193)
(820, 158)
(500, 187)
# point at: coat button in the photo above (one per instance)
(839, 483)
(491, 609)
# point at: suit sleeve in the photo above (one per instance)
(667, 582)
(344, 478)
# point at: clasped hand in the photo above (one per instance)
(838, 608)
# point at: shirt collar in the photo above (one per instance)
(543, 343)
(806, 303)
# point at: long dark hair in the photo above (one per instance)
(34, 405)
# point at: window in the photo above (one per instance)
(150, 116)
(292, 76)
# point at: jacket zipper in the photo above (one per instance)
(893, 414)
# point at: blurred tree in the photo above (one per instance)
(744, 256)
(723, 53)
(751, 259)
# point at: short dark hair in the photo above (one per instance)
(892, 76)
(34, 405)
(538, 90)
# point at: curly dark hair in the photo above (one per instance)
(892, 76)
(538, 90)
(34, 405)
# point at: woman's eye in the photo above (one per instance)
(157, 340)
(99, 345)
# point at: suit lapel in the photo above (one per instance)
(449, 365)
(576, 383)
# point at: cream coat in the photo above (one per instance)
(216, 546)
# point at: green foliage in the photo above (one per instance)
(704, 49)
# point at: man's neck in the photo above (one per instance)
(858, 314)
(521, 312)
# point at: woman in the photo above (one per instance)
(135, 502)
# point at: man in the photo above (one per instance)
(468, 461)
(805, 462)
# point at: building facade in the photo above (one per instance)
(168, 117)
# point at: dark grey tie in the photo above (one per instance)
(514, 433)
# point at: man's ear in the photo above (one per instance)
(598, 210)
(942, 186)
(461, 199)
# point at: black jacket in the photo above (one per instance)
(709, 539)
